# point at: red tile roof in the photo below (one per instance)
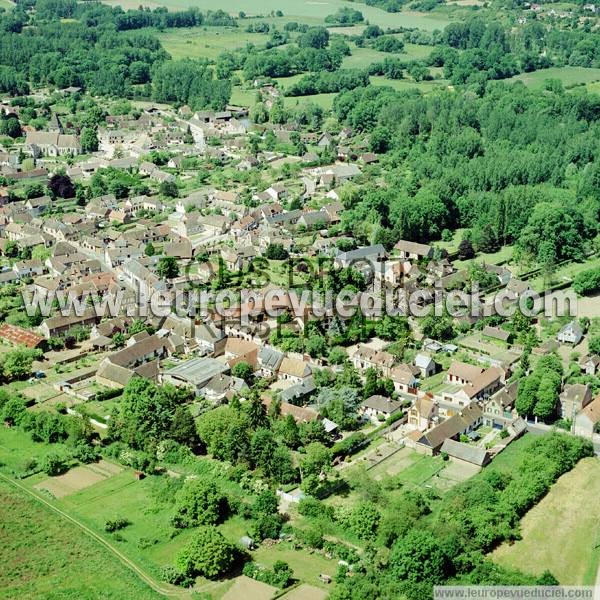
(19, 336)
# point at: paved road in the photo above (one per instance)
(157, 586)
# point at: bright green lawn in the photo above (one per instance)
(570, 76)
(306, 566)
(495, 258)
(593, 87)
(325, 101)
(242, 97)
(452, 245)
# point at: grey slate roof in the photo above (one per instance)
(466, 452)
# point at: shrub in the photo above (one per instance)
(115, 524)
(199, 502)
(54, 464)
(85, 453)
(587, 282)
(280, 575)
(267, 527)
(311, 537)
(174, 577)
(310, 507)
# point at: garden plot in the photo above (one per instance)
(78, 479)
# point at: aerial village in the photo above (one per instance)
(141, 214)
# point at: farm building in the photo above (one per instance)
(20, 337)
(465, 453)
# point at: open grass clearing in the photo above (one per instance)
(207, 42)
(454, 472)
(564, 273)
(407, 84)
(325, 101)
(481, 345)
(361, 58)
(570, 76)
(306, 565)
(589, 306)
(409, 468)
(502, 256)
(571, 512)
(305, 592)
(242, 97)
(45, 556)
(250, 589)
(17, 449)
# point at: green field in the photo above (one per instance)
(16, 448)
(361, 58)
(407, 84)
(44, 556)
(310, 565)
(564, 273)
(149, 540)
(494, 258)
(593, 87)
(207, 42)
(306, 11)
(572, 513)
(570, 76)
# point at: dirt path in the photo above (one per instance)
(158, 587)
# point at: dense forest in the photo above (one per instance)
(500, 164)
(101, 49)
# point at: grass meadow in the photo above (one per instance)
(45, 556)
(306, 11)
(570, 76)
(572, 513)
(207, 42)
(361, 58)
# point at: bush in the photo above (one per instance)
(311, 537)
(199, 502)
(388, 43)
(348, 446)
(310, 507)
(363, 520)
(85, 453)
(54, 464)
(341, 551)
(267, 527)
(587, 282)
(208, 554)
(174, 577)
(281, 575)
(115, 525)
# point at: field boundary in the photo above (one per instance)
(157, 587)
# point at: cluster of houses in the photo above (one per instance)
(101, 250)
